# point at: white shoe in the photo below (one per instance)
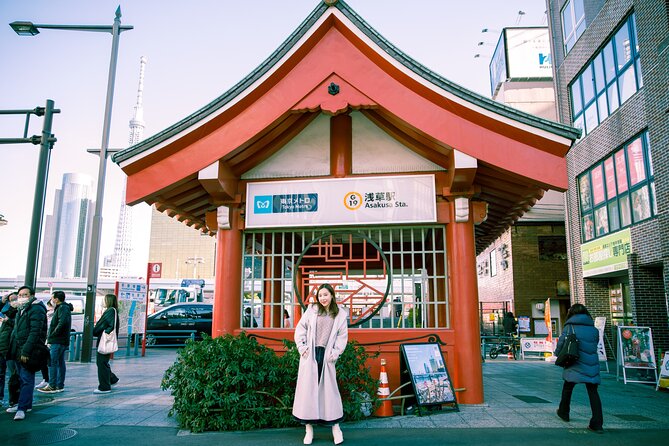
(43, 384)
(13, 409)
(98, 391)
(309, 435)
(20, 415)
(337, 434)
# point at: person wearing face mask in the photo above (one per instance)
(8, 314)
(29, 331)
(321, 336)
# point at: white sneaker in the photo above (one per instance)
(43, 384)
(98, 391)
(20, 415)
(337, 434)
(13, 409)
(309, 434)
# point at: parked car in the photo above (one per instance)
(170, 325)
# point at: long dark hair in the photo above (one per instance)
(577, 309)
(334, 308)
(111, 301)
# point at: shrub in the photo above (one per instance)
(236, 383)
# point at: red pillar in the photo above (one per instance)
(465, 313)
(228, 282)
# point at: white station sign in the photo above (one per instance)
(341, 201)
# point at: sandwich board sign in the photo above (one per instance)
(423, 364)
(635, 351)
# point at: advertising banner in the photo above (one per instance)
(528, 53)
(663, 379)
(341, 201)
(635, 351)
(523, 324)
(606, 254)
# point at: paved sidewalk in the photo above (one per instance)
(519, 395)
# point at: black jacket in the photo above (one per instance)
(29, 329)
(106, 323)
(6, 330)
(61, 323)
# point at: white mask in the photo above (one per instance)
(22, 301)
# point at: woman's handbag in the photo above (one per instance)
(568, 354)
(108, 343)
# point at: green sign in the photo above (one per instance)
(606, 254)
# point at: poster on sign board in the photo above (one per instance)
(429, 376)
(635, 351)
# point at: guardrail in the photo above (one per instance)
(130, 345)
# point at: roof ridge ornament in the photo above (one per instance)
(330, 2)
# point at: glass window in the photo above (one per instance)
(639, 76)
(613, 98)
(601, 221)
(621, 171)
(625, 216)
(493, 263)
(588, 87)
(578, 123)
(591, 117)
(603, 109)
(649, 155)
(640, 204)
(588, 227)
(584, 190)
(627, 84)
(597, 185)
(623, 47)
(609, 65)
(573, 22)
(614, 218)
(577, 104)
(610, 178)
(600, 83)
(635, 161)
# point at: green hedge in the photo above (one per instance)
(236, 383)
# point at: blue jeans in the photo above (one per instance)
(57, 366)
(27, 380)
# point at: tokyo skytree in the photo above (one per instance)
(123, 247)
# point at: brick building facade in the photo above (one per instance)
(611, 71)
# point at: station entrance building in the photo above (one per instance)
(342, 160)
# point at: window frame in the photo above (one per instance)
(574, 32)
(588, 216)
(613, 81)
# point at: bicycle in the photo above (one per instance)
(505, 347)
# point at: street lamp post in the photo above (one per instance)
(194, 261)
(31, 29)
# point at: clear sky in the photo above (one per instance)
(196, 50)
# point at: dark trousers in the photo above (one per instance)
(597, 420)
(27, 380)
(105, 375)
(14, 385)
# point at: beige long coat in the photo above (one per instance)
(314, 400)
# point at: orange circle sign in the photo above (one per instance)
(352, 200)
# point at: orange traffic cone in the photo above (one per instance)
(386, 407)
(509, 355)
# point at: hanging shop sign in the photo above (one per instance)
(607, 254)
(341, 201)
(635, 351)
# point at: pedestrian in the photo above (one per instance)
(8, 313)
(286, 319)
(59, 341)
(248, 319)
(586, 368)
(29, 331)
(321, 336)
(509, 323)
(45, 369)
(108, 321)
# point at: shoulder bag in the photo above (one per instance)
(568, 354)
(108, 342)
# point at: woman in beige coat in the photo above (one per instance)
(321, 337)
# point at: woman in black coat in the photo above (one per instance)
(108, 322)
(586, 368)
